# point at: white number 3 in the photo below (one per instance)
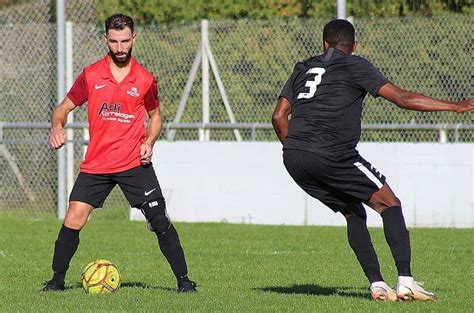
(312, 84)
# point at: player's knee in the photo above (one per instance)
(395, 202)
(74, 224)
(383, 199)
(75, 220)
(390, 201)
(155, 214)
(383, 205)
(354, 209)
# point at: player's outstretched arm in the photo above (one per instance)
(280, 118)
(152, 134)
(57, 137)
(414, 101)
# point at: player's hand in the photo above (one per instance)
(146, 151)
(57, 138)
(465, 105)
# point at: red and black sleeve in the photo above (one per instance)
(78, 93)
(152, 101)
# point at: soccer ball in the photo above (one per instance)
(100, 276)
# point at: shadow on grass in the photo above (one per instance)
(135, 285)
(316, 290)
(144, 286)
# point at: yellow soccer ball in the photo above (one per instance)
(100, 276)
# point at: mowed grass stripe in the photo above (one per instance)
(237, 267)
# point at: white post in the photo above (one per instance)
(61, 92)
(443, 136)
(186, 92)
(220, 85)
(204, 134)
(456, 132)
(341, 9)
(86, 137)
(70, 118)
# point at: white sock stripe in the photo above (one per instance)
(369, 174)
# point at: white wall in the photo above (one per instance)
(247, 183)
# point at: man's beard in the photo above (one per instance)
(124, 58)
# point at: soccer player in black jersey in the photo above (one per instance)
(324, 96)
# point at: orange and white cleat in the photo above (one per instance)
(414, 291)
(380, 291)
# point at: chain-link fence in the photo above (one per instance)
(254, 59)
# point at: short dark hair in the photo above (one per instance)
(118, 22)
(339, 32)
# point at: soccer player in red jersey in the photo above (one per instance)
(120, 92)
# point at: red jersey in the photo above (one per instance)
(117, 113)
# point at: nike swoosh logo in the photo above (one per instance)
(148, 192)
(100, 86)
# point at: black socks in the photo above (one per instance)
(68, 241)
(398, 239)
(173, 252)
(360, 241)
(64, 249)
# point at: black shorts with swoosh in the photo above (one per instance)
(138, 184)
(341, 184)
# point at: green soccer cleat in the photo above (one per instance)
(414, 292)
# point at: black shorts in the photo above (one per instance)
(342, 185)
(138, 184)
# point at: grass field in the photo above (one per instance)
(238, 268)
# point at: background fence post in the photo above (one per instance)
(341, 9)
(443, 136)
(61, 92)
(70, 118)
(204, 134)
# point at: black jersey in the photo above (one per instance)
(326, 93)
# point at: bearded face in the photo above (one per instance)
(120, 44)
